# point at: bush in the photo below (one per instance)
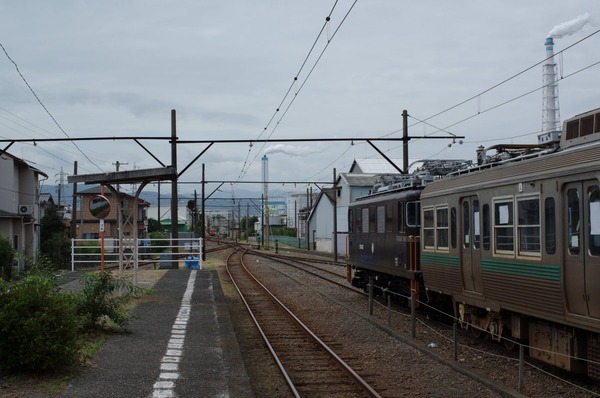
(162, 240)
(99, 302)
(38, 326)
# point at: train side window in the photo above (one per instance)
(413, 212)
(372, 219)
(453, 227)
(528, 226)
(380, 219)
(365, 220)
(429, 228)
(466, 225)
(594, 219)
(389, 218)
(357, 220)
(550, 227)
(486, 226)
(441, 228)
(573, 221)
(476, 227)
(504, 227)
(350, 222)
(400, 217)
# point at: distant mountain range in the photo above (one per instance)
(245, 201)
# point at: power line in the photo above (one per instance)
(247, 164)
(504, 81)
(44, 106)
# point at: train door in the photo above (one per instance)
(470, 242)
(582, 249)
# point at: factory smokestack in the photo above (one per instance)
(265, 212)
(550, 107)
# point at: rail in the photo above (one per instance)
(257, 309)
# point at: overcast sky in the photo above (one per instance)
(117, 68)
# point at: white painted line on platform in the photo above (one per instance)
(169, 366)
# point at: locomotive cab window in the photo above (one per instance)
(365, 220)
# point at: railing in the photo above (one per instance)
(92, 254)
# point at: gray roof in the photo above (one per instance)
(46, 197)
(375, 166)
(359, 180)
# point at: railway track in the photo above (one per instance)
(310, 367)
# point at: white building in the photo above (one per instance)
(363, 174)
(19, 204)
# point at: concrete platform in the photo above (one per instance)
(182, 344)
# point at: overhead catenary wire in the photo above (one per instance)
(247, 164)
(44, 106)
(479, 112)
(514, 76)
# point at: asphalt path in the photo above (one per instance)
(180, 345)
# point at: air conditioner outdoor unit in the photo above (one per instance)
(25, 210)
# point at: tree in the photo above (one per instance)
(7, 255)
(154, 225)
(54, 238)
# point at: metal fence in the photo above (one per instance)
(92, 254)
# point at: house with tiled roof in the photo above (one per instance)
(88, 226)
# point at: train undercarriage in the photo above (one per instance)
(568, 348)
(564, 347)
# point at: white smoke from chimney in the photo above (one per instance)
(570, 27)
(291, 150)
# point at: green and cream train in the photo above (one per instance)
(510, 246)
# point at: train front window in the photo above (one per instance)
(365, 220)
(528, 227)
(594, 221)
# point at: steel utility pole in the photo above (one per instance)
(174, 215)
(405, 139)
(335, 245)
(74, 209)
